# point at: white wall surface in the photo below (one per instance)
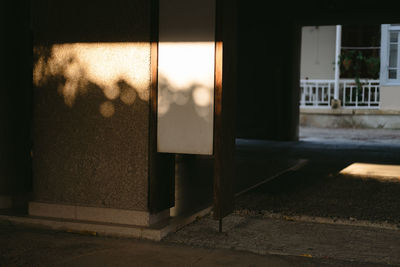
(186, 76)
(390, 97)
(318, 52)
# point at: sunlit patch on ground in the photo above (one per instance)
(380, 172)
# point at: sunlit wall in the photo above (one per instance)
(186, 76)
(91, 127)
(106, 65)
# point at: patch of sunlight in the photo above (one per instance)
(107, 109)
(186, 70)
(381, 172)
(103, 64)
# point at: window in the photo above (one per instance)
(390, 54)
(361, 46)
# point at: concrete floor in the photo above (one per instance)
(248, 239)
(34, 247)
(348, 135)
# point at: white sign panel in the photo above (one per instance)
(186, 59)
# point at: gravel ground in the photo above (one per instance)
(347, 245)
(317, 189)
(326, 195)
(265, 218)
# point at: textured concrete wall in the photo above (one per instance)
(318, 52)
(91, 103)
(390, 97)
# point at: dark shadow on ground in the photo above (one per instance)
(317, 189)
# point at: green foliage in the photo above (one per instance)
(357, 64)
(373, 66)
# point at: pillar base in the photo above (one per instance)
(155, 232)
(94, 214)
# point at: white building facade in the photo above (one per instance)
(375, 99)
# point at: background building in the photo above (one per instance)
(368, 54)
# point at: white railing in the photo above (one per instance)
(318, 93)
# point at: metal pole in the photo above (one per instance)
(337, 58)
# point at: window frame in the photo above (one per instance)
(385, 52)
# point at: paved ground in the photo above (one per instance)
(33, 247)
(262, 231)
(348, 135)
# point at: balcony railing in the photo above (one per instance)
(318, 93)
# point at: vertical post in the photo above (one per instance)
(224, 107)
(161, 165)
(337, 58)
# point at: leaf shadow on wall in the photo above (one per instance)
(89, 127)
(189, 110)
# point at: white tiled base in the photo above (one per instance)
(155, 233)
(94, 214)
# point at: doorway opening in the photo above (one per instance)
(336, 132)
(348, 83)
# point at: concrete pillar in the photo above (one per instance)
(94, 156)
